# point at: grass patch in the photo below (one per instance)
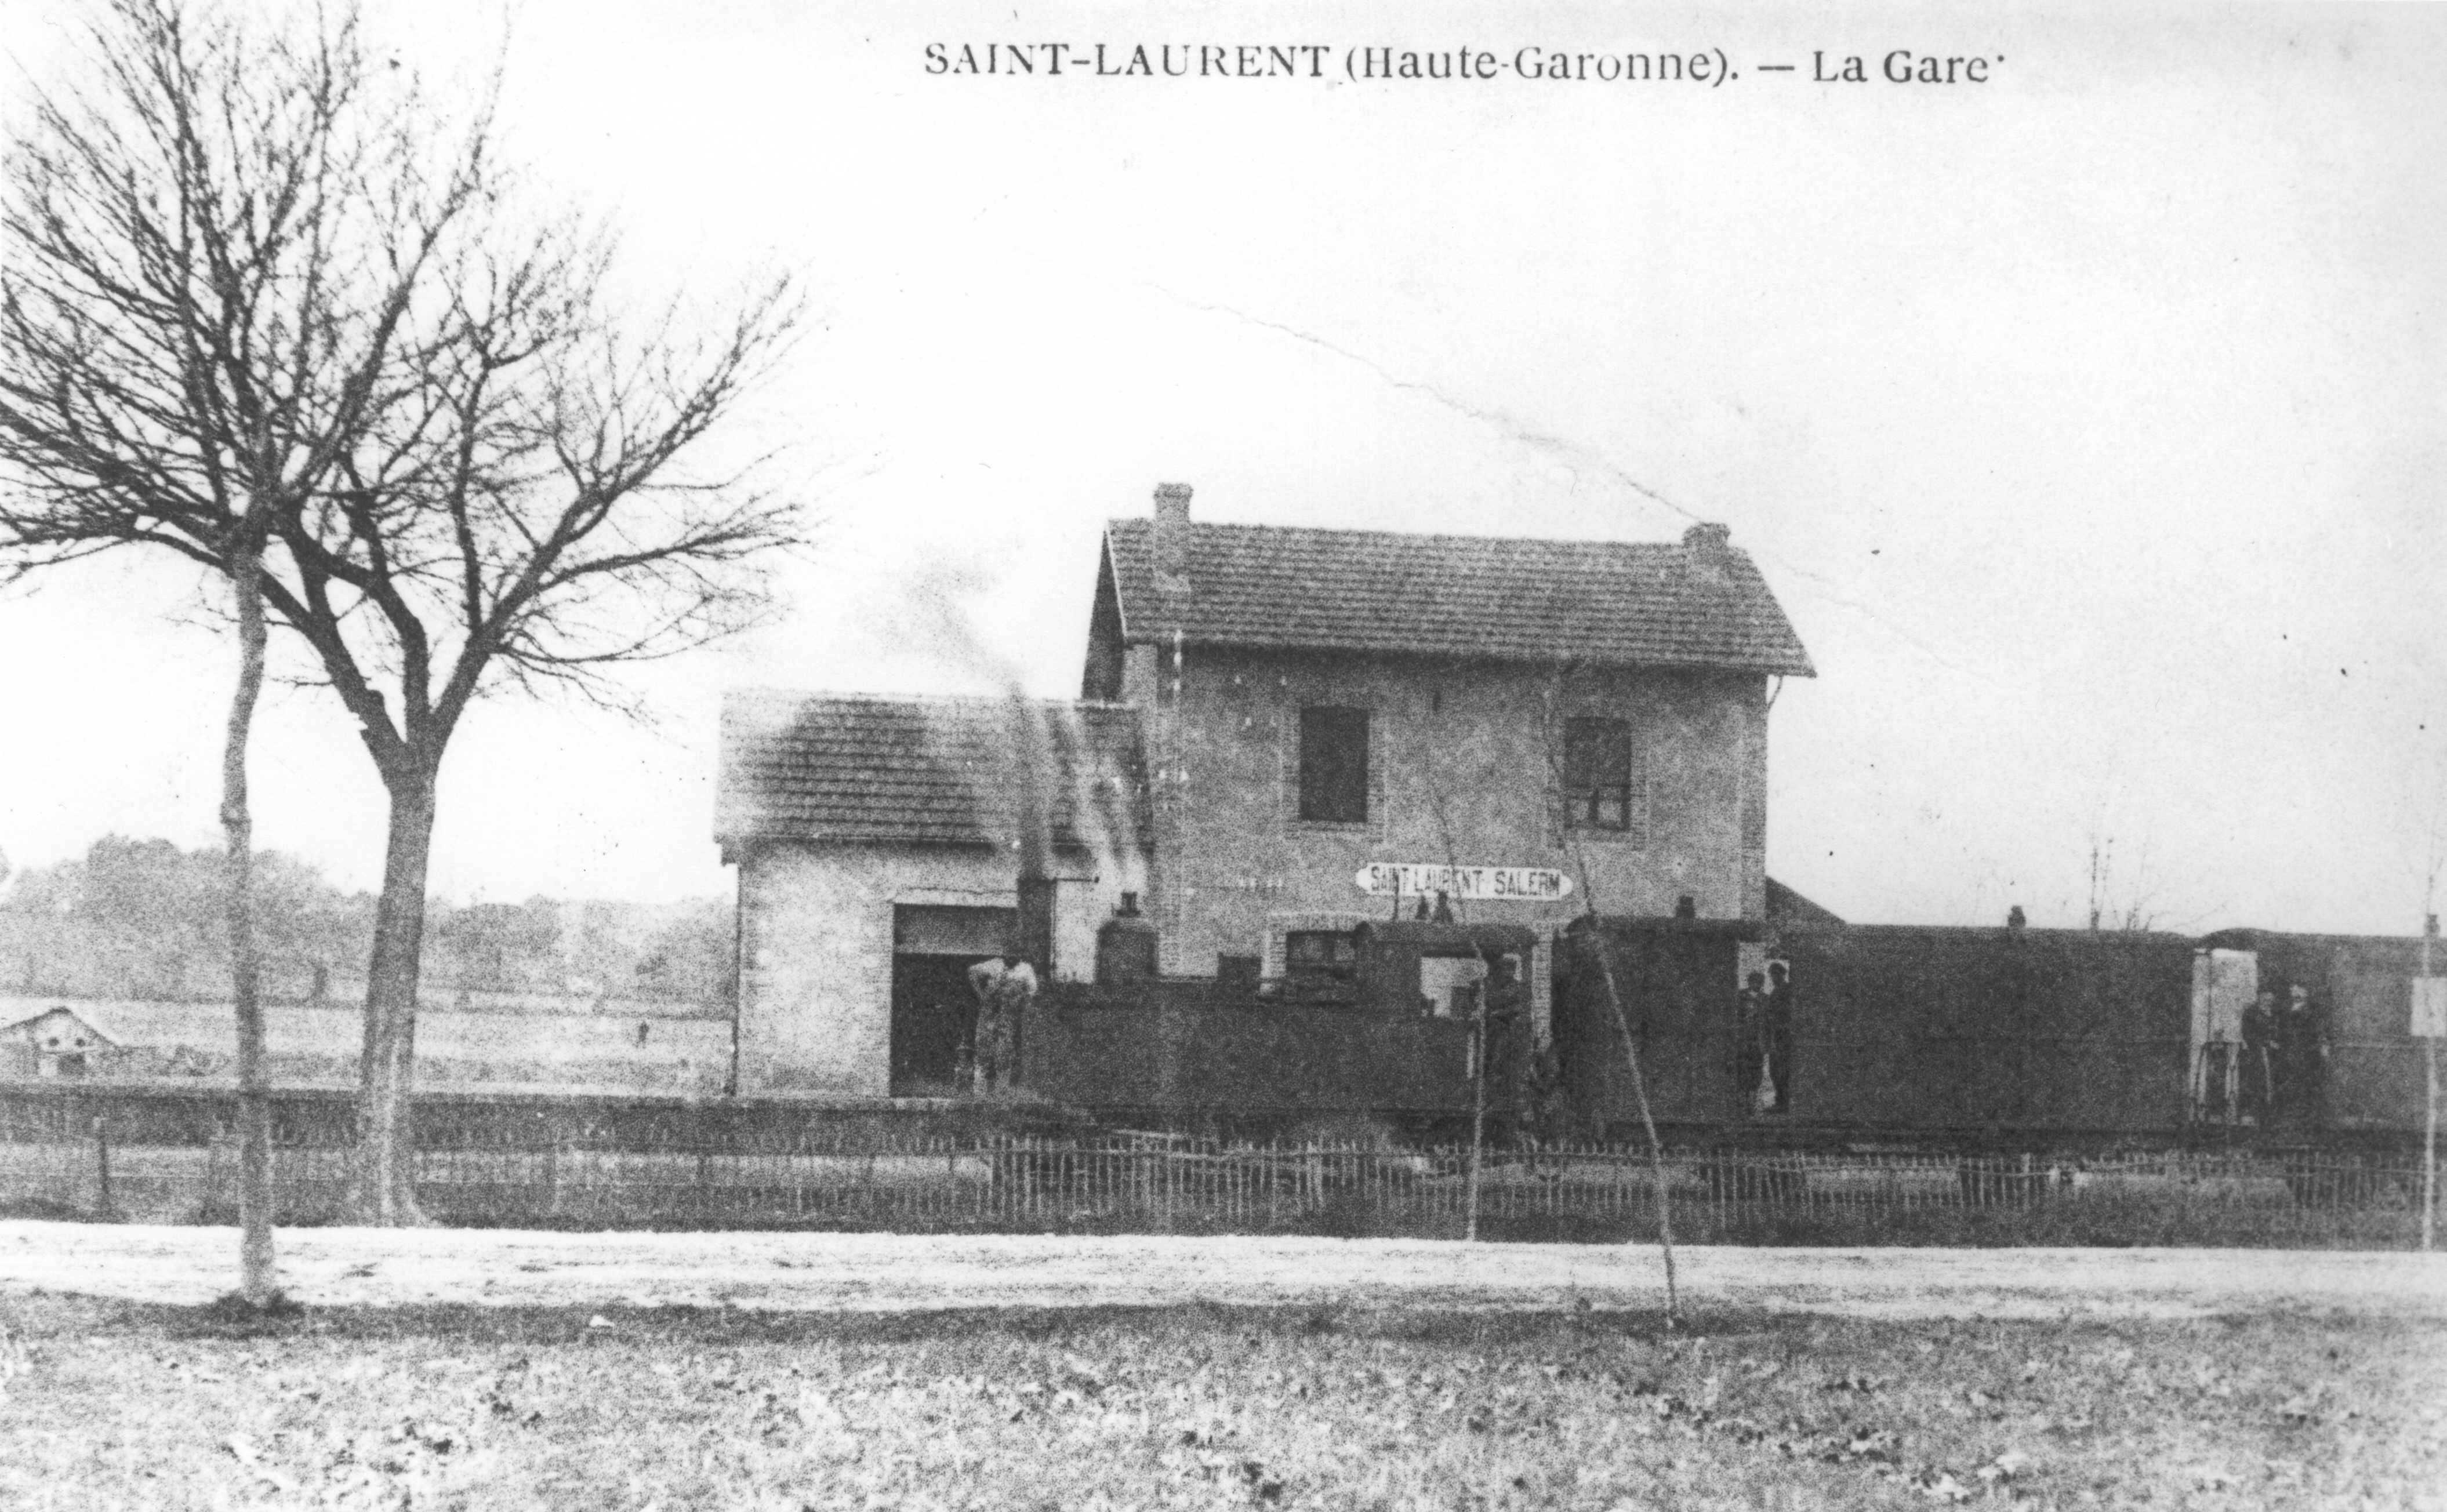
(114, 1405)
(232, 1310)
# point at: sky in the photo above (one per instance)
(2086, 421)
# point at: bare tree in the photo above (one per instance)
(257, 1281)
(258, 270)
(2126, 904)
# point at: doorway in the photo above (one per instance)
(933, 1011)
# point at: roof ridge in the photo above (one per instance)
(996, 700)
(1142, 520)
(1702, 603)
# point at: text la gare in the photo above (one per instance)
(1903, 67)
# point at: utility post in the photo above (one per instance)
(2430, 1022)
(1477, 1106)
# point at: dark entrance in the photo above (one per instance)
(1677, 978)
(933, 1011)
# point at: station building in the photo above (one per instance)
(1282, 734)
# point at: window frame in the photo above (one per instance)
(1354, 774)
(1342, 963)
(1584, 798)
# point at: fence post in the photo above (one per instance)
(101, 1160)
(212, 1168)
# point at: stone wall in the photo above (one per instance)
(1462, 771)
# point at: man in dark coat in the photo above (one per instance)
(2255, 1096)
(2302, 1051)
(1779, 1033)
(1752, 1082)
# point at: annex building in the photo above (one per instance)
(1281, 735)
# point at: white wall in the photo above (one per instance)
(815, 980)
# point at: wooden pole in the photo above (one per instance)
(2430, 1149)
(1640, 1095)
(102, 1162)
(1614, 998)
(2430, 1129)
(1477, 1109)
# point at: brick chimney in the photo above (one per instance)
(1708, 543)
(1172, 537)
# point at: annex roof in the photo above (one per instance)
(857, 768)
(1623, 603)
(1784, 906)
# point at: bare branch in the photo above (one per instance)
(264, 306)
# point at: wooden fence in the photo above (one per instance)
(1155, 1183)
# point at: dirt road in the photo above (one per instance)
(337, 1267)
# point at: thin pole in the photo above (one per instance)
(1640, 1094)
(1477, 1109)
(102, 1161)
(1614, 997)
(2430, 1149)
(2430, 1130)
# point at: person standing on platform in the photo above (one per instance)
(2302, 1049)
(2256, 1094)
(1779, 1033)
(1752, 1082)
(1004, 986)
(1507, 1023)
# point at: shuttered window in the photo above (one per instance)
(1334, 765)
(1604, 788)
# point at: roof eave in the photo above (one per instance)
(1795, 667)
(1112, 575)
(740, 844)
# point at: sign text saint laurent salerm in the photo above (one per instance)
(1522, 884)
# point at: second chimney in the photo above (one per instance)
(1707, 542)
(1172, 532)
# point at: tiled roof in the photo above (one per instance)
(1612, 602)
(949, 772)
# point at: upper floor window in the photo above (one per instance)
(1334, 765)
(1603, 786)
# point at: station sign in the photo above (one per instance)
(1503, 884)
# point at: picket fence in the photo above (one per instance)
(1160, 1183)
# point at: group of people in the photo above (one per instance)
(1763, 1040)
(2275, 1069)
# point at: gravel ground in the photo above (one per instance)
(341, 1267)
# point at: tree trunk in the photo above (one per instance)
(256, 1281)
(385, 1192)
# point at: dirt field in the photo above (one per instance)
(107, 1406)
(337, 1267)
(485, 1367)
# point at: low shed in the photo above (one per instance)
(56, 1042)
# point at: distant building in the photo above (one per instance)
(1282, 733)
(58, 1042)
